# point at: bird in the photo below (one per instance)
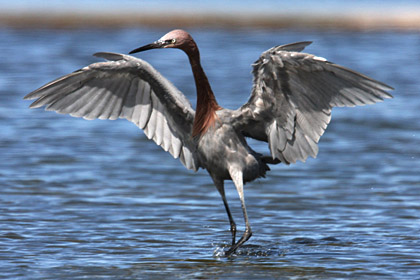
(289, 108)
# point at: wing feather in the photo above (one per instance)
(126, 87)
(292, 97)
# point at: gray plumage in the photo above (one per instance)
(289, 108)
(130, 88)
(292, 97)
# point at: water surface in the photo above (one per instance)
(97, 200)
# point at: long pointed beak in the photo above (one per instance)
(154, 45)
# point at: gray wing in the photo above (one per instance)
(130, 88)
(292, 97)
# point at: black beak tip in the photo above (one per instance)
(146, 47)
(133, 51)
(137, 50)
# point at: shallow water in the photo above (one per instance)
(97, 200)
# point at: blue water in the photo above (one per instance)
(97, 200)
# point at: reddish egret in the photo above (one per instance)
(289, 108)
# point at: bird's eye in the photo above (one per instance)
(170, 41)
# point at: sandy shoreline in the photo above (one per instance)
(366, 21)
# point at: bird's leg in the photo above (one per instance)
(270, 160)
(221, 188)
(237, 179)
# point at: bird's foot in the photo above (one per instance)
(235, 246)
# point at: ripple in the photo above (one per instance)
(12, 235)
(98, 200)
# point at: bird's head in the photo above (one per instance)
(178, 39)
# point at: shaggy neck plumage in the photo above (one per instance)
(206, 108)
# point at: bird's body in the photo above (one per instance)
(289, 108)
(223, 146)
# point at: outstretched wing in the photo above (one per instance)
(292, 97)
(130, 88)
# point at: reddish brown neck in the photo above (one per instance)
(206, 108)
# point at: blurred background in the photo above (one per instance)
(98, 200)
(334, 14)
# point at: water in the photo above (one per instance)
(97, 200)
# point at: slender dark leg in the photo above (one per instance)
(237, 179)
(221, 188)
(270, 160)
